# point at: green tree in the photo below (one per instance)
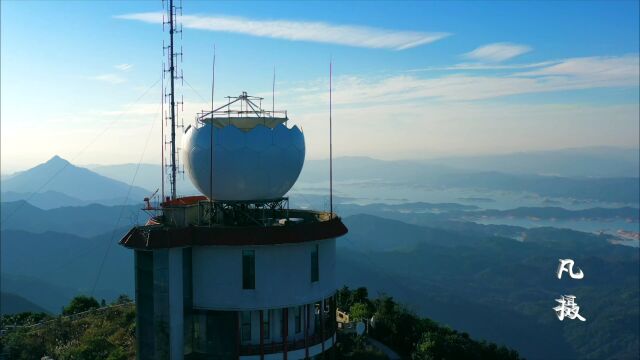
(122, 299)
(344, 300)
(80, 304)
(360, 295)
(359, 311)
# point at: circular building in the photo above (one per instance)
(235, 273)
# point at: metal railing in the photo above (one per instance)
(76, 316)
(278, 347)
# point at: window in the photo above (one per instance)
(298, 319)
(246, 325)
(265, 324)
(314, 265)
(248, 269)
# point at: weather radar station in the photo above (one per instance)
(233, 273)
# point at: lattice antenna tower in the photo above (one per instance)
(174, 72)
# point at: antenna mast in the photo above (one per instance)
(172, 55)
(162, 124)
(213, 87)
(330, 141)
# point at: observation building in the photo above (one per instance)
(235, 273)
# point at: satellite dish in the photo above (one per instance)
(360, 327)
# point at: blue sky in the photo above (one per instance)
(411, 79)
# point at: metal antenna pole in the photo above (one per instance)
(213, 76)
(162, 124)
(273, 93)
(330, 140)
(213, 82)
(172, 99)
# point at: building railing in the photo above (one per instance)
(278, 347)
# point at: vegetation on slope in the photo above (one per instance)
(412, 337)
(85, 331)
(88, 330)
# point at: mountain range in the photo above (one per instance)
(96, 219)
(58, 182)
(601, 174)
(468, 277)
(573, 162)
(501, 289)
(496, 282)
(620, 186)
(17, 304)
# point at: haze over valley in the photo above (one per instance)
(484, 242)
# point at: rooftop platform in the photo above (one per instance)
(196, 221)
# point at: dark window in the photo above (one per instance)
(298, 319)
(315, 275)
(246, 325)
(213, 340)
(248, 269)
(265, 324)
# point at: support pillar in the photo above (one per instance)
(306, 331)
(261, 335)
(285, 332)
(238, 333)
(322, 324)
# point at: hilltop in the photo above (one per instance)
(57, 181)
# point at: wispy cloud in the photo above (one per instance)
(561, 75)
(109, 78)
(124, 67)
(349, 35)
(497, 52)
(482, 66)
(611, 67)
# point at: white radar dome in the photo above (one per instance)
(254, 162)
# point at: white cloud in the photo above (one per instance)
(568, 74)
(124, 67)
(349, 35)
(612, 67)
(483, 66)
(109, 78)
(497, 52)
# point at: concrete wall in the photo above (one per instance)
(283, 276)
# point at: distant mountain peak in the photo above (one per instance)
(57, 160)
(62, 177)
